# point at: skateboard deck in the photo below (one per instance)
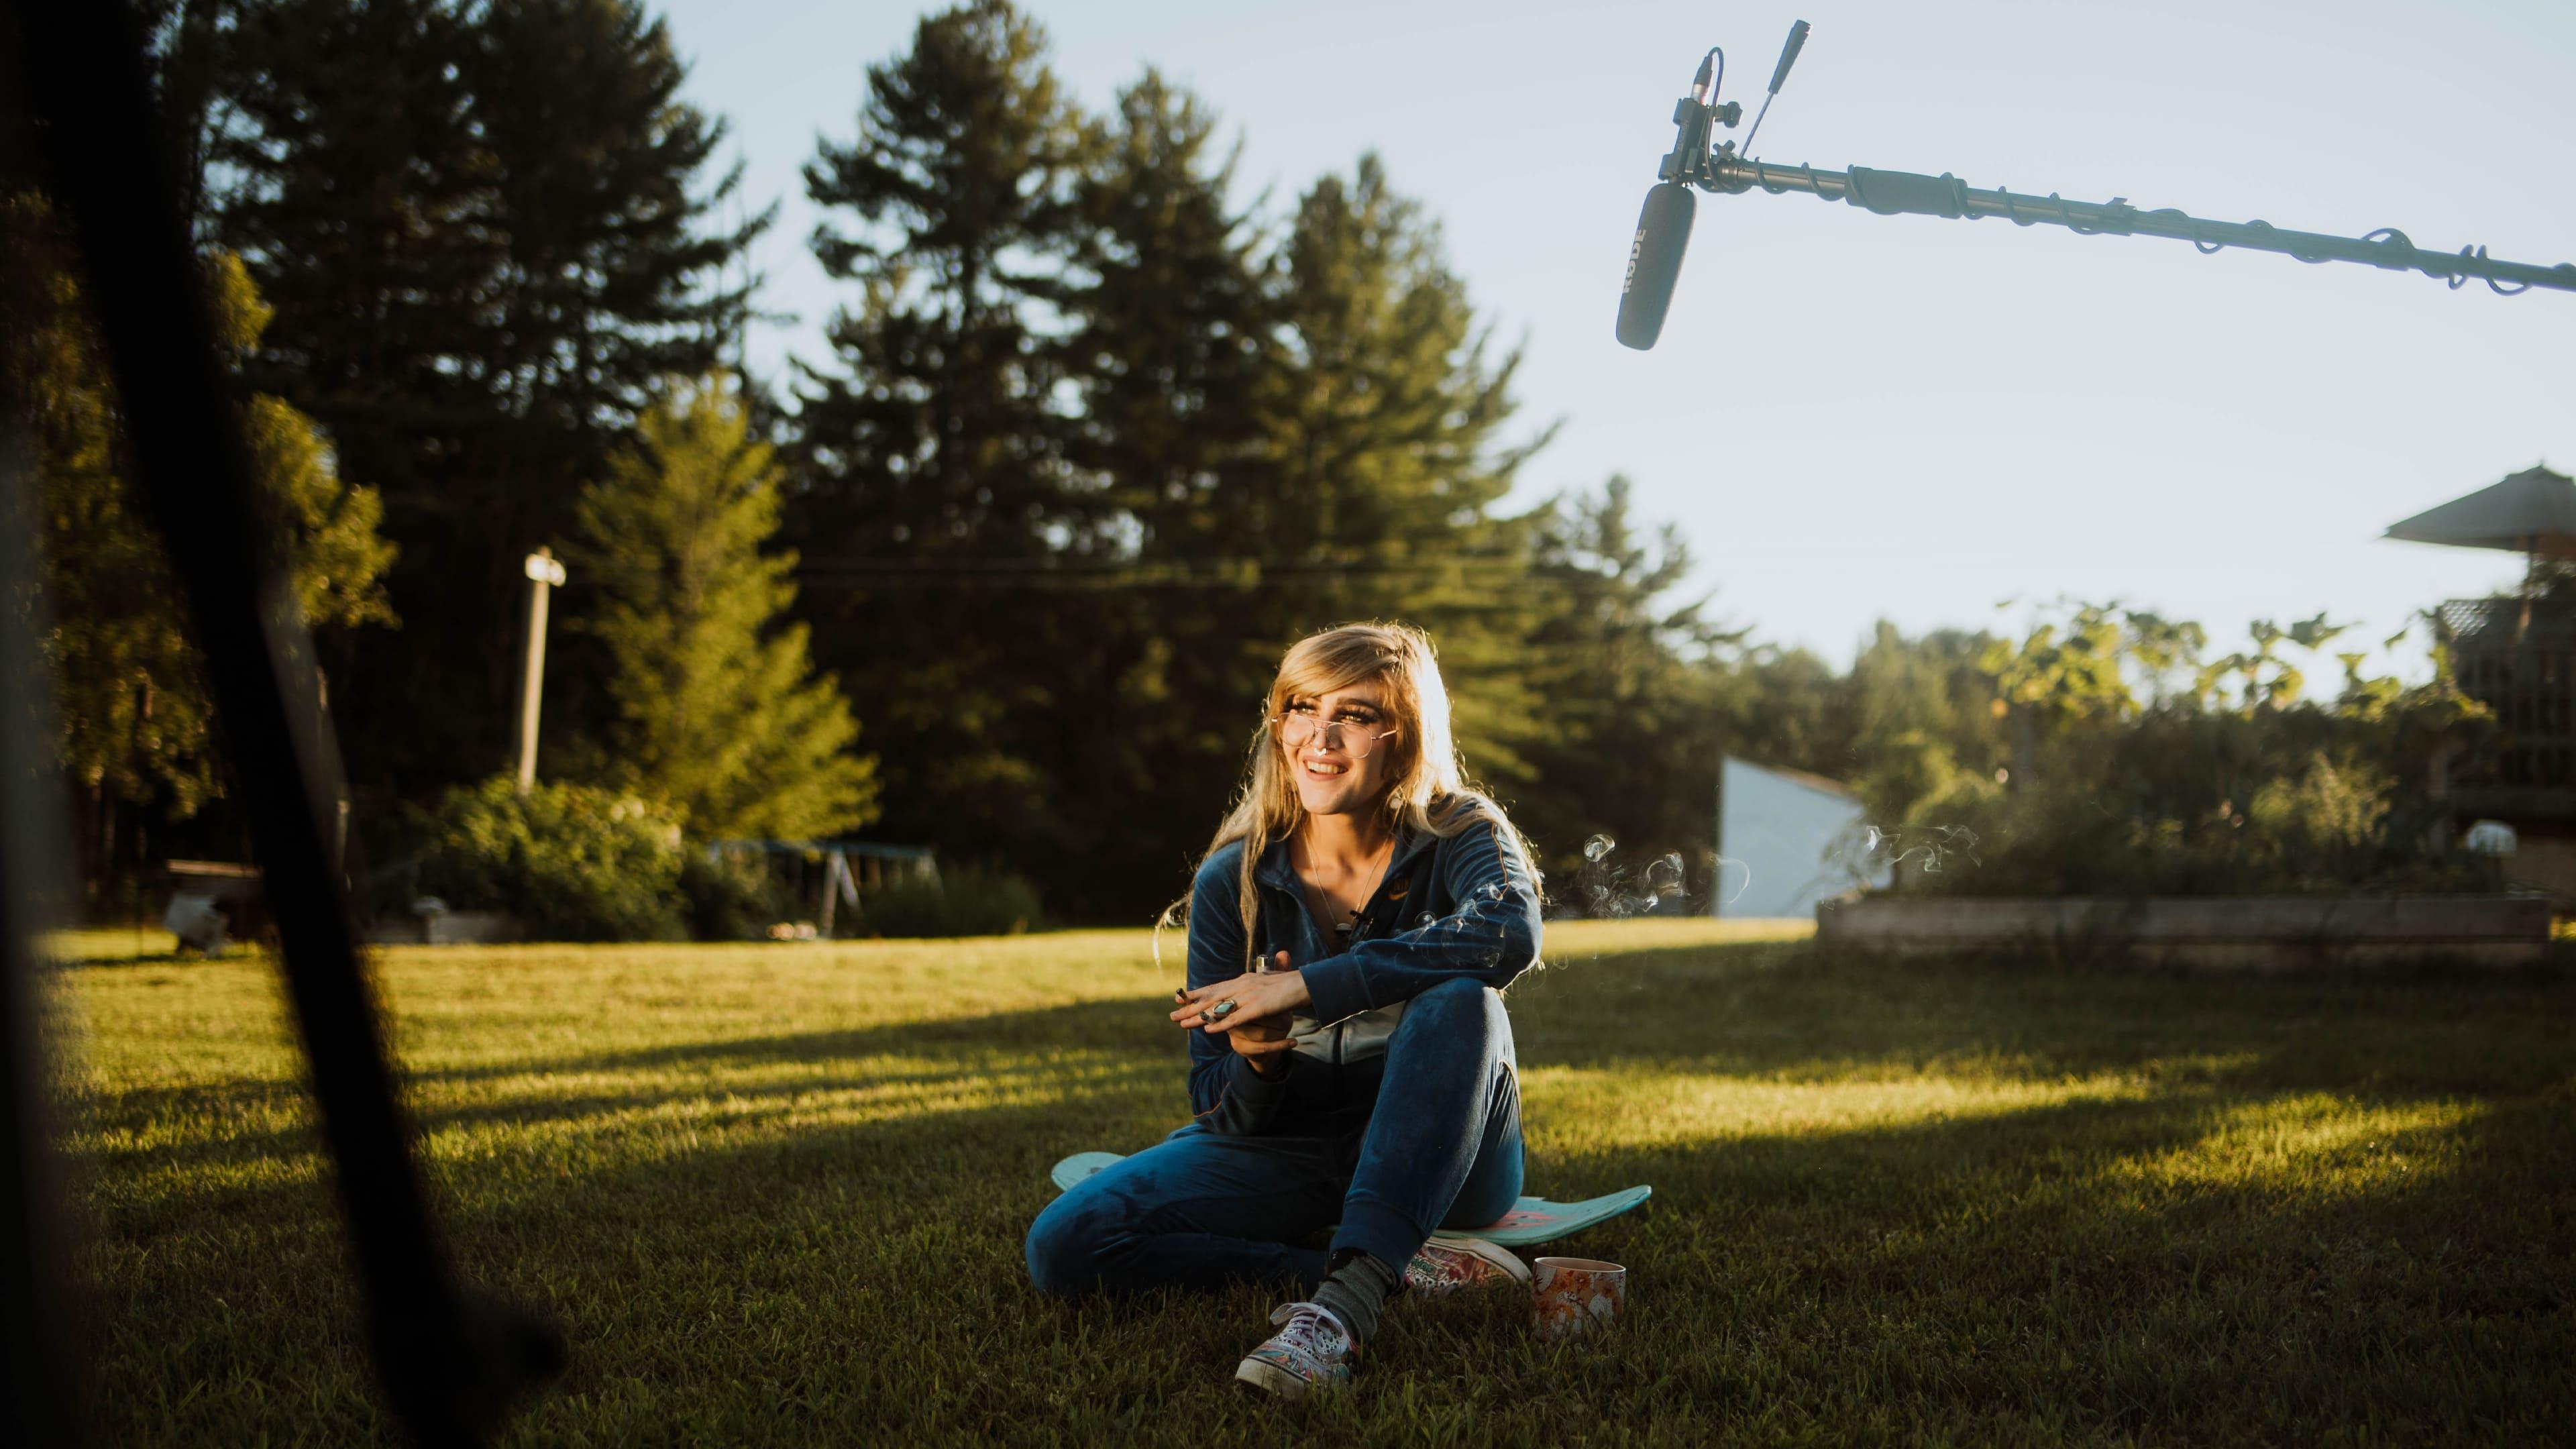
(1531, 1220)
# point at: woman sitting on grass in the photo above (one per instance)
(1350, 1061)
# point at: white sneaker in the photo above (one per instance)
(1310, 1352)
(1447, 1264)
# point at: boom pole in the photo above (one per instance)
(1894, 193)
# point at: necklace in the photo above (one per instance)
(1330, 912)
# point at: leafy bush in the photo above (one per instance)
(2328, 821)
(2104, 755)
(732, 897)
(959, 903)
(572, 862)
(2141, 815)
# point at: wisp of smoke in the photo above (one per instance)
(1743, 882)
(1616, 892)
(1481, 922)
(1866, 855)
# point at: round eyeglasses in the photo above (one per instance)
(1300, 727)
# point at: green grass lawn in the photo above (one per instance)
(775, 1195)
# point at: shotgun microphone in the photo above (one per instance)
(1654, 263)
(1664, 224)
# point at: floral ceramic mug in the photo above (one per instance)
(1569, 1296)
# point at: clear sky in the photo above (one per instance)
(1854, 417)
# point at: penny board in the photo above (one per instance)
(1531, 1220)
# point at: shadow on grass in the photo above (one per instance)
(2013, 1266)
(2071, 1269)
(2120, 1268)
(122, 962)
(1086, 1049)
(1761, 1011)
(1802, 1013)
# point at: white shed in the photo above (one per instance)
(1785, 840)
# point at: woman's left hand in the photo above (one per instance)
(1271, 993)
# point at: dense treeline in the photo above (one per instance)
(1093, 439)
(136, 724)
(487, 231)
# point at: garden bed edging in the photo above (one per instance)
(2260, 933)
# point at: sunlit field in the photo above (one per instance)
(775, 1195)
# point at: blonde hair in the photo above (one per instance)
(1429, 790)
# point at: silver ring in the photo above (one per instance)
(1221, 1010)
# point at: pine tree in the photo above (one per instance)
(486, 229)
(135, 718)
(1173, 349)
(931, 491)
(1387, 427)
(1300, 429)
(1101, 444)
(719, 710)
(1331, 447)
(1629, 730)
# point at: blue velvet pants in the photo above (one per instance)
(1429, 1139)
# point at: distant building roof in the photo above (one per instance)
(1819, 783)
(2533, 511)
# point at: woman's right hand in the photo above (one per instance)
(1263, 1041)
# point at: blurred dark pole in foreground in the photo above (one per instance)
(43, 1333)
(448, 1363)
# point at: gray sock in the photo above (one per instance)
(1356, 1289)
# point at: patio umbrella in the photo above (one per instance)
(2532, 512)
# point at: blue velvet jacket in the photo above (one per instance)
(1461, 905)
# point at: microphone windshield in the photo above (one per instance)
(1654, 260)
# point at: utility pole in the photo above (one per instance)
(544, 575)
